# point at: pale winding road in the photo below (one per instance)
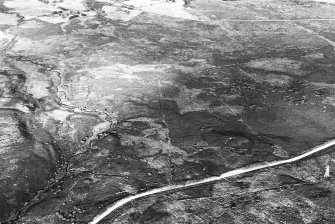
(231, 173)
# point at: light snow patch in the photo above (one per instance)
(116, 13)
(53, 19)
(78, 5)
(162, 7)
(33, 8)
(8, 19)
(173, 9)
(29, 8)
